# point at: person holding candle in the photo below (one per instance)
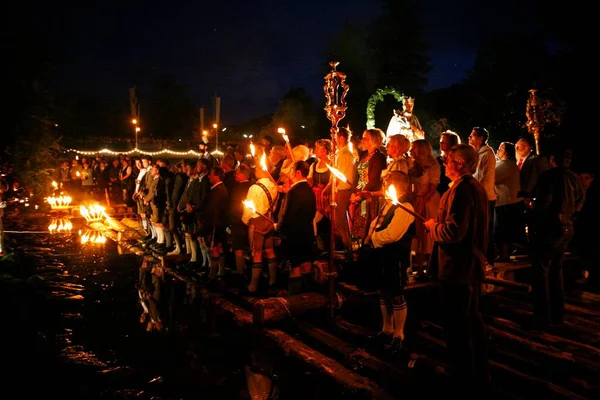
(390, 235)
(263, 194)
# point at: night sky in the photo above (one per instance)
(248, 52)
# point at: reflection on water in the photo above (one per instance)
(79, 330)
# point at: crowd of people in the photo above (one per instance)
(401, 213)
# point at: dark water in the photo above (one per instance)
(71, 328)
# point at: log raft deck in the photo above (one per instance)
(562, 363)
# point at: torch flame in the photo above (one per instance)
(93, 212)
(337, 173)
(263, 162)
(252, 149)
(391, 194)
(250, 205)
(283, 134)
(59, 202)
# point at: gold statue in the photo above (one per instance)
(405, 122)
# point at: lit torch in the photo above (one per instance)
(390, 193)
(250, 205)
(287, 142)
(263, 166)
(339, 175)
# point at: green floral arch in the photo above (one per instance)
(377, 97)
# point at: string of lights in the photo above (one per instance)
(138, 151)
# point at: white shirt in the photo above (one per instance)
(395, 230)
(259, 198)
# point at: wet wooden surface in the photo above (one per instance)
(563, 362)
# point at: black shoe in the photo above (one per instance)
(381, 337)
(395, 346)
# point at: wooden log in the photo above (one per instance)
(507, 284)
(275, 309)
(354, 382)
(576, 327)
(576, 349)
(532, 382)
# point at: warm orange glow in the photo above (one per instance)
(391, 194)
(263, 162)
(250, 205)
(252, 149)
(59, 202)
(283, 134)
(92, 237)
(215, 126)
(77, 174)
(134, 121)
(60, 225)
(337, 173)
(94, 212)
(54, 185)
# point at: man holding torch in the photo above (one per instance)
(260, 201)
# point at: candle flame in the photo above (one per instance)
(92, 237)
(252, 149)
(337, 173)
(263, 162)
(59, 202)
(60, 225)
(250, 205)
(93, 212)
(391, 194)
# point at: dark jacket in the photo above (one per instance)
(462, 234)
(296, 223)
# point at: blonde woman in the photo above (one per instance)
(425, 178)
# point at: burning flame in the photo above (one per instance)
(263, 162)
(60, 225)
(250, 205)
(350, 147)
(337, 173)
(54, 185)
(59, 202)
(285, 137)
(391, 194)
(93, 212)
(252, 149)
(77, 174)
(92, 237)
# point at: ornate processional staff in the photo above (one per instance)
(335, 89)
(535, 117)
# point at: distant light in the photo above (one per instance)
(302, 126)
(56, 125)
(224, 129)
(246, 135)
(180, 140)
(251, 136)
